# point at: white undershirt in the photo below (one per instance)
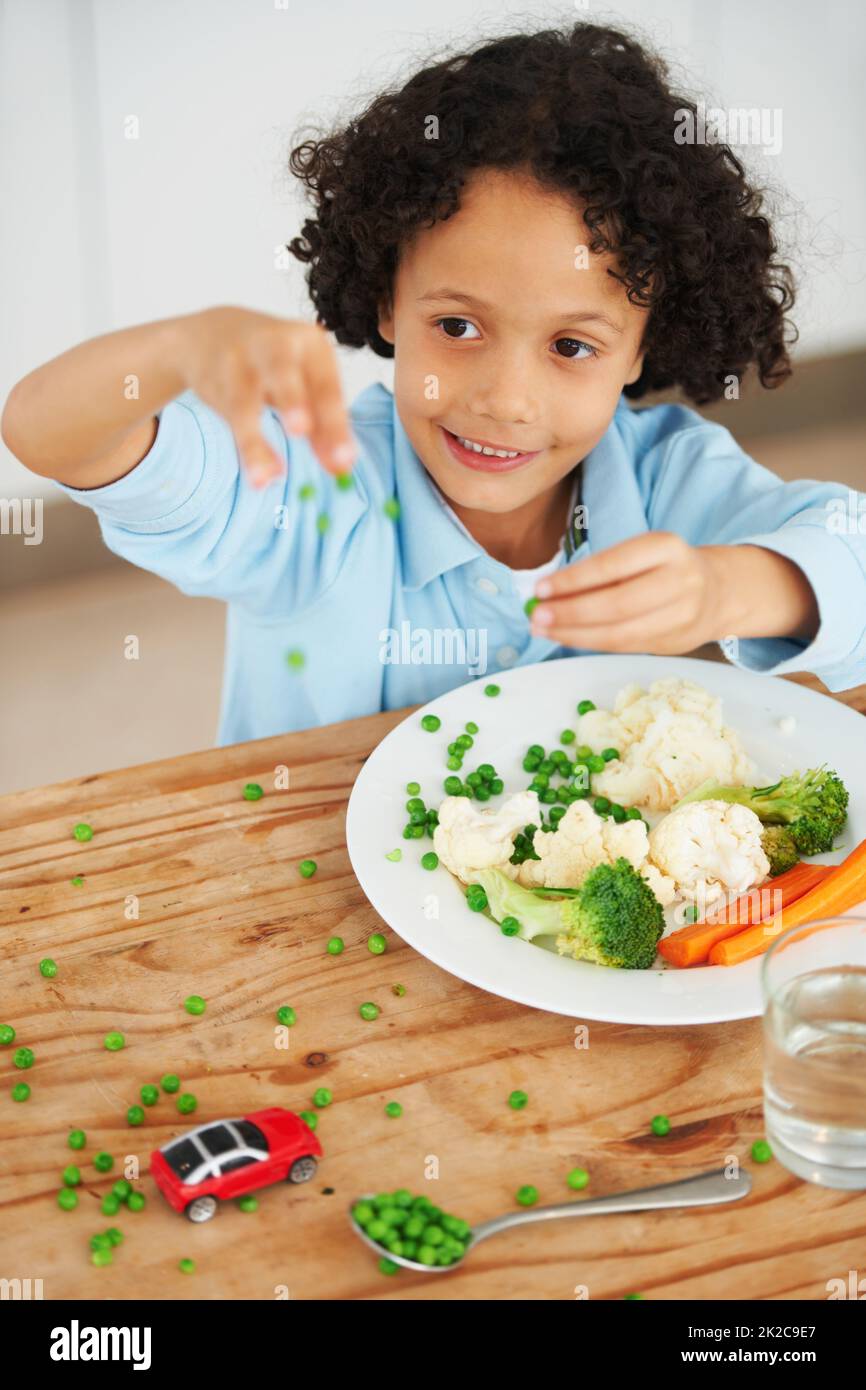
(524, 580)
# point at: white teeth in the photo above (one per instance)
(491, 453)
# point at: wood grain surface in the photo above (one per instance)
(223, 912)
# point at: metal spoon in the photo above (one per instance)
(703, 1190)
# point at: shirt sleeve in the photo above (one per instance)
(187, 513)
(710, 492)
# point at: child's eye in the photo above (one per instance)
(451, 327)
(574, 344)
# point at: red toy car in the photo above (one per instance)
(228, 1158)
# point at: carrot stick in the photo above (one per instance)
(691, 945)
(845, 887)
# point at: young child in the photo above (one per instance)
(519, 228)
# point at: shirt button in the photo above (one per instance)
(486, 586)
(506, 656)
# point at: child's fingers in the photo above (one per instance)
(619, 562)
(242, 406)
(615, 603)
(331, 434)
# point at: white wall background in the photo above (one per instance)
(98, 231)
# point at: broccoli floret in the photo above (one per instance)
(812, 804)
(613, 918)
(778, 844)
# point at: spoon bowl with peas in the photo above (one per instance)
(422, 1238)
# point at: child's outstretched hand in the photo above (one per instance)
(238, 360)
(651, 593)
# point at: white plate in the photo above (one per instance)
(535, 704)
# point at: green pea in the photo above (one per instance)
(110, 1205)
(7, 1034)
(392, 509)
(430, 860)
(114, 1235)
(761, 1151)
(476, 897)
(336, 946)
(83, 832)
(21, 1091)
(122, 1189)
(426, 1255)
(248, 1203)
(306, 491)
(369, 1012)
(100, 1242)
(149, 1094)
(595, 763)
(617, 812)
(103, 1162)
(527, 1196)
(585, 706)
(194, 1004)
(530, 606)
(415, 803)
(577, 1179)
(601, 805)
(471, 728)
(632, 1295)
(376, 944)
(77, 1139)
(135, 1115)
(413, 788)
(387, 1266)
(71, 1176)
(496, 785)
(509, 926)
(77, 880)
(395, 856)
(287, 1016)
(170, 1083)
(295, 660)
(633, 813)
(399, 990)
(345, 481)
(454, 763)
(307, 868)
(186, 1266)
(492, 689)
(114, 1041)
(393, 1110)
(609, 754)
(323, 522)
(23, 1058)
(136, 1201)
(101, 1258)
(322, 1097)
(48, 968)
(453, 786)
(660, 1125)
(186, 1103)
(309, 1117)
(430, 722)
(253, 792)
(518, 1100)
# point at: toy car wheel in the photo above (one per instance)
(202, 1209)
(302, 1169)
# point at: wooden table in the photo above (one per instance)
(222, 912)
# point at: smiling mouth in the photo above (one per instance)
(484, 454)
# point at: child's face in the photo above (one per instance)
(504, 368)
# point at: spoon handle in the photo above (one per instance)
(703, 1190)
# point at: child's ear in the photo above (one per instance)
(386, 323)
(636, 370)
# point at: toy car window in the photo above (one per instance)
(217, 1140)
(252, 1135)
(182, 1157)
(229, 1165)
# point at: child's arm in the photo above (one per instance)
(87, 417)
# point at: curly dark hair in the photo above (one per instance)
(588, 111)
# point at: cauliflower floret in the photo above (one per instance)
(600, 729)
(468, 838)
(671, 739)
(581, 840)
(664, 888)
(710, 848)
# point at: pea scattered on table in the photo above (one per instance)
(48, 968)
(248, 1203)
(122, 1189)
(307, 868)
(67, 1198)
(376, 944)
(77, 880)
(517, 1100)
(527, 1196)
(369, 1012)
(186, 1103)
(186, 1266)
(71, 1176)
(77, 1139)
(114, 1041)
(660, 1125)
(577, 1179)
(110, 1205)
(149, 1095)
(135, 1115)
(194, 1004)
(136, 1201)
(387, 1266)
(101, 1258)
(103, 1162)
(7, 1034)
(761, 1151)
(287, 1016)
(23, 1058)
(336, 946)
(21, 1091)
(82, 832)
(170, 1083)
(309, 1117)
(399, 990)
(253, 792)
(322, 1097)
(393, 1110)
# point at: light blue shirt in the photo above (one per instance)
(387, 613)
